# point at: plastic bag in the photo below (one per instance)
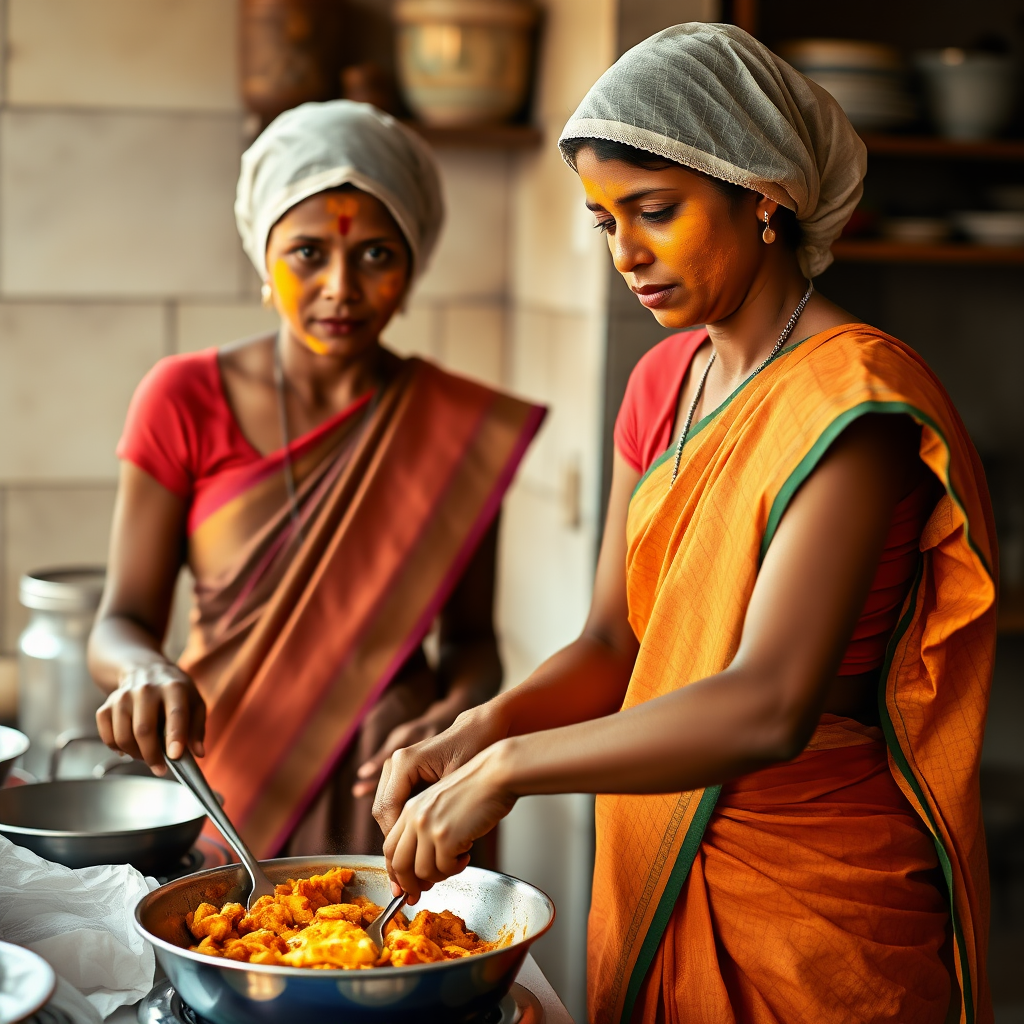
(80, 921)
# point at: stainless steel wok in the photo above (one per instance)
(228, 992)
(150, 823)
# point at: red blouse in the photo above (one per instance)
(182, 431)
(643, 431)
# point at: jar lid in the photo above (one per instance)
(63, 590)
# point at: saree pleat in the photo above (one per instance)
(662, 893)
(294, 648)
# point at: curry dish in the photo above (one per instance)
(310, 922)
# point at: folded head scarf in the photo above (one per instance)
(318, 146)
(711, 97)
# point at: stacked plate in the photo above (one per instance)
(26, 983)
(866, 79)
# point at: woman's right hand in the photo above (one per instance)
(148, 698)
(409, 768)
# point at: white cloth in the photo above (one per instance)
(319, 146)
(80, 922)
(711, 97)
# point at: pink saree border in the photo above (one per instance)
(534, 419)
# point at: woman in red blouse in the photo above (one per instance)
(330, 498)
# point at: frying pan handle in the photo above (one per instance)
(191, 776)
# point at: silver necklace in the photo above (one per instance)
(783, 338)
(282, 413)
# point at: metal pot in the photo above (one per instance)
(227, 992)
(149, 823)
(12, 745)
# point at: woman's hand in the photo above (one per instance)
(407, 768)
(149, 697)
(434, 833)
(428, 725)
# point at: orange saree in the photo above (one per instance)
(836, 886)
(302, 623)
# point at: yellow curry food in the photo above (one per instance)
(311, 922)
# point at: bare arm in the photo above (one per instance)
(761, 710)
(125, 655)
(585, 680)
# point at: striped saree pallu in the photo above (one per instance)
(665, 943)
(300, 626)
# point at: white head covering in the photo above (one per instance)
(713, 98)
(318, 146)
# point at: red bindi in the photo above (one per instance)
(344, 224)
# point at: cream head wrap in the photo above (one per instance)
(711, 97)
(318, 146)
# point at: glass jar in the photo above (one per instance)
(56, 695)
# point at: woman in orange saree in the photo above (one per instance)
(780, 702)
(332, 501)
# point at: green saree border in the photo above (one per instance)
(900, 759)
(674, 886)
(808, 463)
(899, 756)
(705, 421)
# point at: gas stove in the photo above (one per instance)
(164, 1006)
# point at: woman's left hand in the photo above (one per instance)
(433, 835)
(431, 723)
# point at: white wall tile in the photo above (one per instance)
(471, 261)
(118, 204)
(164, 54)
(210, 325)
(50, 527)
(416, 331)
(67, 373)
(472, 339)
(557, 257)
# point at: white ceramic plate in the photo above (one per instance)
(26, 983)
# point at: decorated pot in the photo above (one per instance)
(464, 62)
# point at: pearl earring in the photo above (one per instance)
(267, 294)
(768, 235)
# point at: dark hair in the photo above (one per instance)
(784, 221)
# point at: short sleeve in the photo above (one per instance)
(625, 433)
(643, 427)
(159, 432)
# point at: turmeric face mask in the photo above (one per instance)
(339, 268)
(686, 249)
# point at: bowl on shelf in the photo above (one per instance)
(915, 230)
(970, 95)
(464, 62)
(866, 79)
(1007, 197)
(991, 227)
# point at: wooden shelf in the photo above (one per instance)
(949, 149)
(1011, 612)
(485, 136)
(879, 250)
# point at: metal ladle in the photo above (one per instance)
(191, 776)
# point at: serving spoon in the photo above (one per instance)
(375, 929)
(191, 776)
